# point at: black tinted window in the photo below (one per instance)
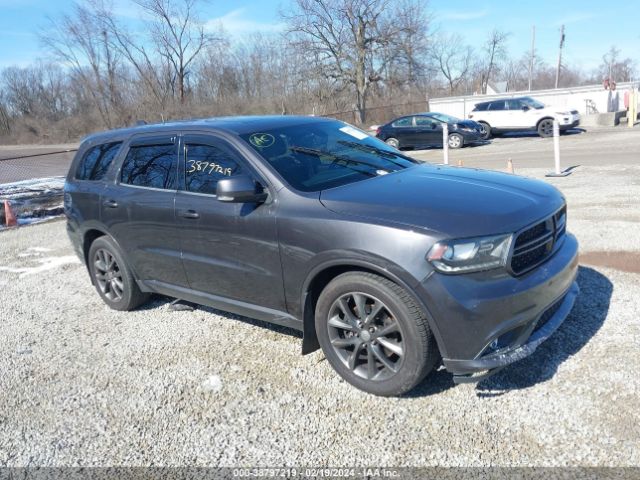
(514, 104)
(426, 122)
(96, 162)
(403, 122)
(481, 107)
(497, 105)
(205, 165)
(150, 166)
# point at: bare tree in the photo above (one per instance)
(453, 59)
(79, 41)
(178, 34)
(616, 69)
(495, 50)
(349, 39)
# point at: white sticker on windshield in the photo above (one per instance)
(354, 132)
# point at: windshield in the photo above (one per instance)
(325, 154)
(444, 118)
(533, 103)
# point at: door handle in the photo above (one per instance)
(189, 214)
(110, 203)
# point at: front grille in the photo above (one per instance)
(535, 244)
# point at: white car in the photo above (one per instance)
(521, 114)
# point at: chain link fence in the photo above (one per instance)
(32, 182)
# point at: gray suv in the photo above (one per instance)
(389, 265)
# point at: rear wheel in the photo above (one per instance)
(545, 128)
(455, 140)
(485, 131)
(393, 142)
(373, 334)
(112, 277)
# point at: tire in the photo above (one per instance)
(393, 142)
(456, 140)
(112, 276)
(545, 128)
(394, 353)
(486, 130)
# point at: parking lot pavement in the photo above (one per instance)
(586, 148)
(83, 385)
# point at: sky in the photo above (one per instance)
(591, 26)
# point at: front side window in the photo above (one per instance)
(514, 104)
(425, 122)
(533, 103)
(325, 154)
(152, 166)
(205, 165)
(96, 161)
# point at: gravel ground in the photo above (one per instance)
(83, 385)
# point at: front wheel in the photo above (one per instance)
(455, 140)
(545, 128)
(373, 334)
(393, 142)
(485, 130)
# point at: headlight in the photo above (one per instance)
(470, 254)
(467, 129)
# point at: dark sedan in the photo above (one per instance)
(425, 130)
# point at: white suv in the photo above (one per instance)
(521, 114)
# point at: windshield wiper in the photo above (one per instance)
(371, 149)
(336, 158)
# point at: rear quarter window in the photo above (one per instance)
(96, 161)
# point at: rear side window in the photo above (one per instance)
(96, 161)
(152, 166)
(205, 165)
(403, 122)
(497, 105)
(480, 107)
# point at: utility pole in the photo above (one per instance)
(533, 54)
(560, 56)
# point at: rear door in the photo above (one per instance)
(405, 131)
(138, 209)
(229, 250)
(495, 114)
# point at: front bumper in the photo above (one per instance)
(481, 368)
(487, 320)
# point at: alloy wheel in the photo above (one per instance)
(108, 275)
(454, 141)
(366, 336)
(546, 127)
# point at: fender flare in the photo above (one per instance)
(395, 274)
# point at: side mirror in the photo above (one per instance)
(525, 108)
(240, 189)
(433, 126)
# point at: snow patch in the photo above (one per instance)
(48, 263)
(212, 384)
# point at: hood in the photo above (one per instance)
(456, 202)
(468, 124)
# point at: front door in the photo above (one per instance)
(229, 250)
(429, 131)
(138, 209)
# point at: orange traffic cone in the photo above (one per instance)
(509, 166)
(460, 164)
(10, 218)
